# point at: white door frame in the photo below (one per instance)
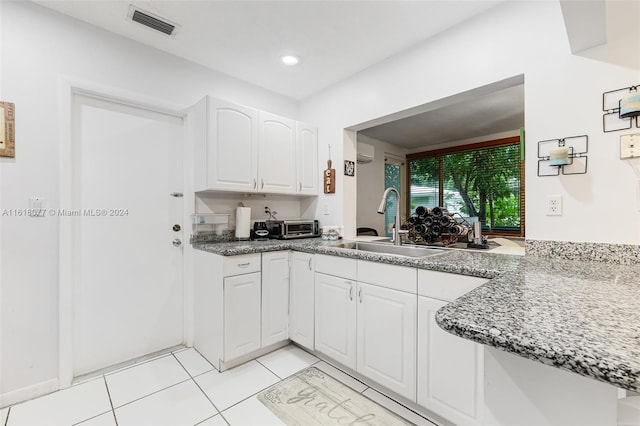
(67, 89)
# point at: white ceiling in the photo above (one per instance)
(479, 115)
(245, 39)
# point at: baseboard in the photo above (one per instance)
(222, 366)
(28, 392)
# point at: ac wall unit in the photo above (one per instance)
(365, 153)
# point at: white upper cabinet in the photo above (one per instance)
(232, 154)
(277, 169)
(241, 149)
(307, 152)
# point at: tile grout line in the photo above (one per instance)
(263, 389)
(198, 386)
(210, 401)
(113, 410)
(269, 370)
(153, 393)
(205, 358)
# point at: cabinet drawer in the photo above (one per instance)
(445, 286)
(243, 264)
(390, 276)
(337, 266)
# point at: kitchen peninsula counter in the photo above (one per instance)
(578, 316)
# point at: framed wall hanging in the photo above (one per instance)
(7, 129)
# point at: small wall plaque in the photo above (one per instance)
(7, 130)
(349, 168)
(329, 179)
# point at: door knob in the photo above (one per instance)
(176, 228)
(177, 242)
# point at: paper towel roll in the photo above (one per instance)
(243, 222)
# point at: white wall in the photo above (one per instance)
(563, 96)
(288, 207)
(39, 47)
(370, 178)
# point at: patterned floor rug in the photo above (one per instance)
(312, 397)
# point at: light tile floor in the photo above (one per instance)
(181, 388)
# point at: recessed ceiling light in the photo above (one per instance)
(290, 60)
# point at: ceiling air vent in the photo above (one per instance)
(153, 22)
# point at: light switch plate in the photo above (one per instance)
(37, 206)
(630, 146)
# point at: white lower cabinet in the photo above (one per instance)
(241, 315)
(450, 368)
(368, 328)
(336, 318)
(387, 338)
(241, 305)
(301, 305)
(275, 297)
(383, 328)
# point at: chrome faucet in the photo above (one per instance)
(397, 240)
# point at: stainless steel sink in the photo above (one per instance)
(386, 248)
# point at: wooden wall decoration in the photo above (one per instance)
(329, 179)
(7, 130)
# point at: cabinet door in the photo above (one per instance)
(307, 159)
(335, 331)
(275, 297)
(241, 315)
(301, 310)
(449, 369)
(276, 154)
(387, 338)
(232, 154)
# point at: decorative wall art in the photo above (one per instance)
(621, 108)
(7, 129)
(329, 177)
(349, 168)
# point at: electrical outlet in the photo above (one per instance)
(554, 205)
(629, 146)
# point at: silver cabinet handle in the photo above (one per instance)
(360, 295)
(242, 265)
(261, 183)
(255, 183)
(299, 186)
(350, 291)
(310, 267)
(177, 242)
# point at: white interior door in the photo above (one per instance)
(128, 292)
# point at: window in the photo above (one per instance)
(482, 182)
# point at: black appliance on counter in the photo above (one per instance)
(259, 231)
(290, 229)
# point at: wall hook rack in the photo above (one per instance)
(572, 160)
(611, 120)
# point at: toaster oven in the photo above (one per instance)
(289, 229)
